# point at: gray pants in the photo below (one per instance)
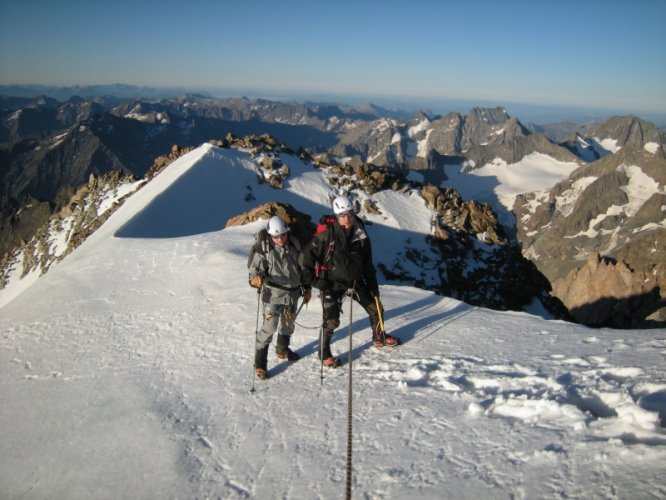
(282, 315)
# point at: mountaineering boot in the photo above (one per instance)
(260, 363)
(391, 341)
(331, 362)
(283, 351)
(325, 353)
(289, 355)
(381, 339)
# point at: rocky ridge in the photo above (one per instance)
(468, 251)
(427, 144)
(614, 134)
(51, 147)
(85, 211)
(48, 148)
(89, 207)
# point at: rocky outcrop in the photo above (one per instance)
(468, 231)
(356, 174)
(452, 214)
(604, 292)
(300, 224)
(161, 162)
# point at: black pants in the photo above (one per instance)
(332, 305)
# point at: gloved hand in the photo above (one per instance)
(257, 281)
(307, 295)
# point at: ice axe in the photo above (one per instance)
(380, 313)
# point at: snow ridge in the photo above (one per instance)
(126, 373)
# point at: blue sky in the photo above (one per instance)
(596, 54)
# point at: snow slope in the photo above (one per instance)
(498, 183)
(126, 373)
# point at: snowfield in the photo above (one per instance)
(126, 372)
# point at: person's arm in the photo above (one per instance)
(310, 255)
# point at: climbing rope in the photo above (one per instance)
(349, 404)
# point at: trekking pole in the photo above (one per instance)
(321, 344)
(321, 355)
(349, 406)
(256, 334)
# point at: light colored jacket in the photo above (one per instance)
(280, 270)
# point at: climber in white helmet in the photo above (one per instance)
(339, 261)
(274, 271)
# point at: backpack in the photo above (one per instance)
(324, 222)
(261, 244)
(321, 267)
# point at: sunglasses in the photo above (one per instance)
(345, 214)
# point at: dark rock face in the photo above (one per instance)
(82, 215)
(20, 219)
(607, 293)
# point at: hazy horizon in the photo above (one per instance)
(594, 55)
(526, 112)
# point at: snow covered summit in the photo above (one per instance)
(126, 372)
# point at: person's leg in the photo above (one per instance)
(379, 335)
(265, 335)
(287, 325)
(367, 301)
(331, 303)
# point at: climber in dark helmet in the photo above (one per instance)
(338, 261)
(274, 270)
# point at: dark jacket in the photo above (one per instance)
(346, 259)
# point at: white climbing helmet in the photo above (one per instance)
(342, 204)
(276, 226)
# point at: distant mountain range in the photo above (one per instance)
(539, 116)
(49, 148)
(117, 90)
